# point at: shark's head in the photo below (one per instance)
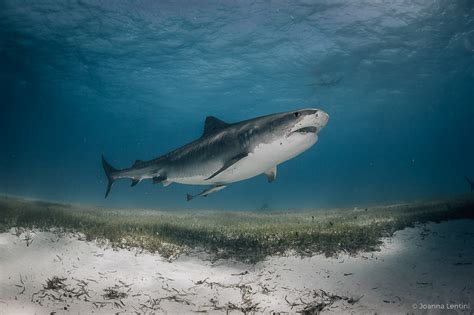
(303, 122)
(306, 121)
(291, 133)
(283, 136)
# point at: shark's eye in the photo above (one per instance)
(297, 114)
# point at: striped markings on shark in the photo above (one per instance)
(229, 152)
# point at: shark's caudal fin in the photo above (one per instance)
(189, 197)
(109, 172)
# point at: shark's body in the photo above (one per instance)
(228, 153)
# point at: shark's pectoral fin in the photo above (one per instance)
(206, 192)
(134, 182)
(271, 174)
(228, 164)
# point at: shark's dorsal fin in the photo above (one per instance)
(213, 124)
(137, 162)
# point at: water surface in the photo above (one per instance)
(135, 79)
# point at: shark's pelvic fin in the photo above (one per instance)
(109, 172)
(162, 179)
(228, 164)
(271, 174)
(158, 179)
(206, 192)
(213, 124)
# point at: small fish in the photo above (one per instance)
(470, 183)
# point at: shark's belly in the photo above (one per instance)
(263, 157)
(248, 167)
(254, 164)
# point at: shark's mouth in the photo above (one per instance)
(304, 130)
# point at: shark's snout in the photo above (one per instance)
(322, 117)
(310, 120)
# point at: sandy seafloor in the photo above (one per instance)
(428, 267)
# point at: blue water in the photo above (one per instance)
(135, 79)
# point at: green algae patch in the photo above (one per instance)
(245, 236)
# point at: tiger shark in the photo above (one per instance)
(229, 152)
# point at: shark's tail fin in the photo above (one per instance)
(189, 197)
(470, 183)
(109, 172)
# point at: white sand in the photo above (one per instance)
(422, 266)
